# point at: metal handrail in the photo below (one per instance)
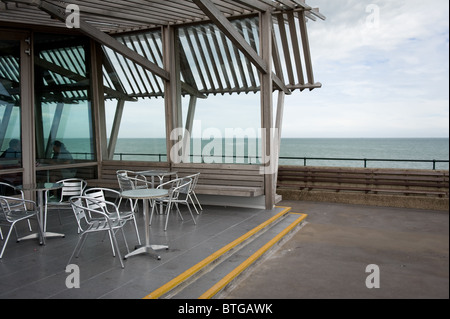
(305, 159)
(365, 160)
(256, 159)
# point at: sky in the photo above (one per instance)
(384, 69)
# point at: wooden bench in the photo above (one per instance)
(225, 179)
(394, 181)
(215, 179)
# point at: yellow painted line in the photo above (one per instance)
(196, 268)
(239, 269)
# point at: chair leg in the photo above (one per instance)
(45, 219)
(118, 251)
(189, 197)
(151, 214)
(169, 207)
(137, 231)
(125, 240)
(190, 211)
(82, 241)
(112, 244)
(6, 240)
(179, 212)
(198, 202)
(77, 250)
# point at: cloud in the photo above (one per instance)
(384, 69)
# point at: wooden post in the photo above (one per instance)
(266, 107)
(172, 87)
(27, 114)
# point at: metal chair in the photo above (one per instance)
(98, 219)
(14, 210)
(129, 180)
(175, 187)
(191, 193)
(12, 191)
(102, 193)
(71, 187)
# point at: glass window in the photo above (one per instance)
(226, 124)
(141, 136)
(64, 129)
(137, 131)
(10, 128)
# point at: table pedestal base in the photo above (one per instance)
(151, 250)
(36, 235)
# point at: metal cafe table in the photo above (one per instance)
(40, 188)
(146, 194)
(157, 173)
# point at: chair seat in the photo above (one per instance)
(15, 216)
(99, 225)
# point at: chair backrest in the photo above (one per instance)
(95, 193)
(100, 194)
(10, 190)
(72, 187)
(78, 207)
(13, 207)
(4, 209)
(183, 187)
(193, 184)
(88, 211)
(125, 183)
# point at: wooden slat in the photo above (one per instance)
(406, 182)
(215, 179)
(295, 47)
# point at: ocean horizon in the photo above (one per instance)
(344, 152)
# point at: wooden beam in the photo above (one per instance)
(230, 31)
(104, 39)
(278, 126)
(115, 129)
(280, 84)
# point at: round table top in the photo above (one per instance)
(40, 186)
(145, 193)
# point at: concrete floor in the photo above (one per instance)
(28, 270)
(328, 256)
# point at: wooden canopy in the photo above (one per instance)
(170, 48)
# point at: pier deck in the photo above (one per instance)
(325, 257)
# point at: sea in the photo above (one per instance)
(411, 153)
